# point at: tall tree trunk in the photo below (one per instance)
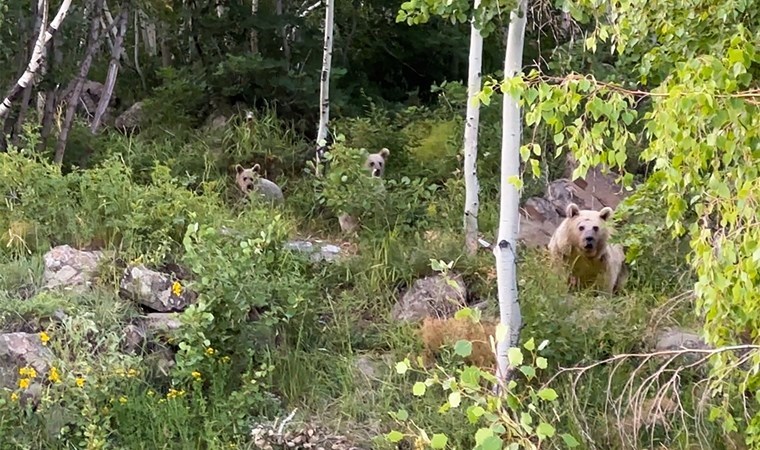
(51, 96)
(46, 33)
(113, 68)
(279, 9)
(254, 33)
(324, 88)
(509, 218)
(93, 41)
(471, 186)
(40, 19)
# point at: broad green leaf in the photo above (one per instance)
(530, 345)
(491, 443)
(463, 348)
(541, 362)
(438, 440)
(528, 371)
(419, 389)
(482, 434)
(401, 367)
(402, 414)
(394, 436)
(569, 440)
(548, 394)
(515, 356)
(544, 430)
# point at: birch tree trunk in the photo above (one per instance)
(324, 88)
(113, 69)
(46, 33)
(39, 21)
(93, 41)
(471, 185)
(254, 33)
(509, 219)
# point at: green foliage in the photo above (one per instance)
(515, 418)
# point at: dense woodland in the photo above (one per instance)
(146, 302)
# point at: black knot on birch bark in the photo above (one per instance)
(503, 243)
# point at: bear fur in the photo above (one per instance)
(436, 333)
(250, 180)
(579, 245)
(375, 162)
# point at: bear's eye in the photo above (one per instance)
(581, 228)
(380, 164)
(596, 228)
(372, 164)
(246, 178)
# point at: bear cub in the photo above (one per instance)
(375, 162)
(579, 245)
(250, 180)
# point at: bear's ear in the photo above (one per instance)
(385, 153)
(239, 169)
(572, 210)
(256, 168)
(605, 213)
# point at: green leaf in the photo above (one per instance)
(530, 345)
(528, 371)
(418, 389)
(570, 441)
(548, 394)
(455, 399)
(491, 443)
(541, 362)
(482, 434)
(515, 357)
(401, 367)
(394, 436)
(438, 440)
(463, 348)
(402, 415)
(544, 430)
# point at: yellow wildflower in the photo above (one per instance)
(27, 372)
(225, 359)
(14, 397)
(196, 375)
(210, 351)
(23, 383)
(151, 393)
(44, 337)
(131, 373)
(122, 400)
(176, 288)
(80, 382)
(54, 376)
(175, 393)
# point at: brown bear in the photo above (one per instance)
(580, 245)
(375, 162)
(249, 180)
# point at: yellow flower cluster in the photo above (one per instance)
(26, 374)
(176, 288)
(54, 376)
(173, 393)
(45, 338)
(210, 351)
(79, 382)
(196, 375)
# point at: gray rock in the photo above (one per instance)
(19, 350)
(154, 290)
(679, 339)
(316, 249)
(70, 269)
(431, 296)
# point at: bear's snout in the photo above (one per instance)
(375, 172)
(588, 243)
(249, 186)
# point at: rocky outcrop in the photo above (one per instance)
(154, 290)
(70, 269)
(432, 296)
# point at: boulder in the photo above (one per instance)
(70, 269)
(154, 290)
(432, 296)
(19, 350)
(316, 249)
(131, 119)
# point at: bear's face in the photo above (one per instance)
(588, 228)
(376, 162)
(245, 178)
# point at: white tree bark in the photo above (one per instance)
(471, 185)
(509, 218)
(46, 33)
(254, 33)
(324, 89)
(113, 69)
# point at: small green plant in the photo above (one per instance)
(517, 417)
